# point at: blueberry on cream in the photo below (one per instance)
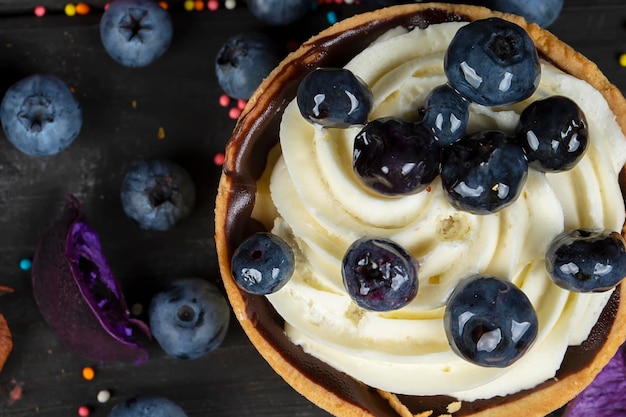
(492, 62)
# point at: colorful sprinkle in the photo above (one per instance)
(218, 159)
(234, 113)
(88, 373)
(230, 4)
(26, 264)
(161, 133)
(331, 16)
(84, 411)
(241, 104)
(224, 100)
(212, 5)
(164, 5)
(198, 5)
(103, 396)
(40, 11)
(188, 5)
(622, 60)
(82, 8)
(70, 9)
(136, 309)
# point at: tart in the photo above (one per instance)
(242, 208)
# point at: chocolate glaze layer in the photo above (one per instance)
(255, 134)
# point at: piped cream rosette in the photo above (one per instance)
(310, 196)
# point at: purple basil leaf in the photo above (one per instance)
(78, 295)
(606, 396)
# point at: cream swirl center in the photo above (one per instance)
(310, 196)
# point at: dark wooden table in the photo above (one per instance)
(124, 110)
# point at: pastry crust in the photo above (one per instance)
(536, 402)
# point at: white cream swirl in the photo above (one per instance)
(310, 196)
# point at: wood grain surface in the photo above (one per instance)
(124, 109)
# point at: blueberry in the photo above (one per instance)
(262, 264)
(542, 12)
(587, 260)
(135, 32)
(379, 274)
(446, 113)
(279, 12)
(157, 194)
(394, 157)
(553, 133)
(334, 97)
(483, 172)
(489, 321)
(243, 61)
(147, 406)
(189, 318)
(492, 62)
(40, 115)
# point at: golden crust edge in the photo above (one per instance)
(544, 400)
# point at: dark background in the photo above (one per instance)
(178, 93)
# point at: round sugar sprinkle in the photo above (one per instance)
(212, 5)
(622, 60)
(70, 9)
(39, 11)
(230, 4)
(241, 104)
(84, 411)
(103, 396)
(88, 373)
(331, 17)
(218, 159)
(198, 5)
(224, 100)
(82, 8)
(234, 112)
(136, 309)
(188, 5)
(26, 264)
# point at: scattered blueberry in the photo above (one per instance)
(395, 157)
(135, 32)
(446, 113)
(483, 172)
(542, 12)
(157, 194)
(587, 260)
(379, 274)
(189, 318)
(334, 97)
(553, 133)
(279, 12)
(40, 115)
(263, 263)
(147, 406)
(492, 62)
(489, 321)
(243, 61)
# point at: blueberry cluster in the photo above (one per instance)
(492, 62)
